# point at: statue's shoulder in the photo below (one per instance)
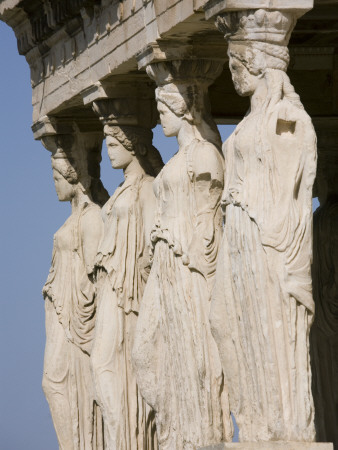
(291, 120)
(91, 216)
(146, 188)
(91, 210)
(288, 111)
(202, 146)
(206, 157)
(147, 180)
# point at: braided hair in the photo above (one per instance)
(138, 140)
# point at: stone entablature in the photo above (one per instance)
(81, 42)
(72, 45)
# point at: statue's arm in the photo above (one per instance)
(148, 207)
(208, 168)
(91, 233)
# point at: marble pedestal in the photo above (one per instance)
(271, 446)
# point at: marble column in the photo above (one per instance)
(262, 307)
(123, 261)
(69, 293)
(324, 332)
(175, 357)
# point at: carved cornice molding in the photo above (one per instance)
(46, 17)
(216, 7)
(46, 31)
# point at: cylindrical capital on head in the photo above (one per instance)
(61, 145)
(263, 32)
(270, 27)
(48, 126)
(126, 111)
(183, 84)
(60, 142)
(185, 71)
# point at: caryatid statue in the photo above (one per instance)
(324, 331)
(175, 357)
(262, 306)
(122, 268)
(70, 300)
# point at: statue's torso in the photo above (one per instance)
(68, 285)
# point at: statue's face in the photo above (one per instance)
(245, 83)
(171, 123)
(64, 189)
(119, 156)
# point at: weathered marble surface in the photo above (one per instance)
(121, 271)
(69, 293)
(175, 357)
(262, 307)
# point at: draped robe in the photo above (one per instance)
(175, 356)
(122, 267)
(262, 306)
(70, 304)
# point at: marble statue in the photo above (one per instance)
(175, 357)
(122, 268)
(69, 293)
(262, 306)
(324, 332)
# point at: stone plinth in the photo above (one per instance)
(271, 446)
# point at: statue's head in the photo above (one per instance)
(182, 92)
(65, 178)
(126, 143)
(66, 170)
(257, 41)
(76, 166)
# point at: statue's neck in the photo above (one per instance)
(188, 132)
(133, 169)
(258, 98)
(78, 201)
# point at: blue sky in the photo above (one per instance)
(31, 214)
